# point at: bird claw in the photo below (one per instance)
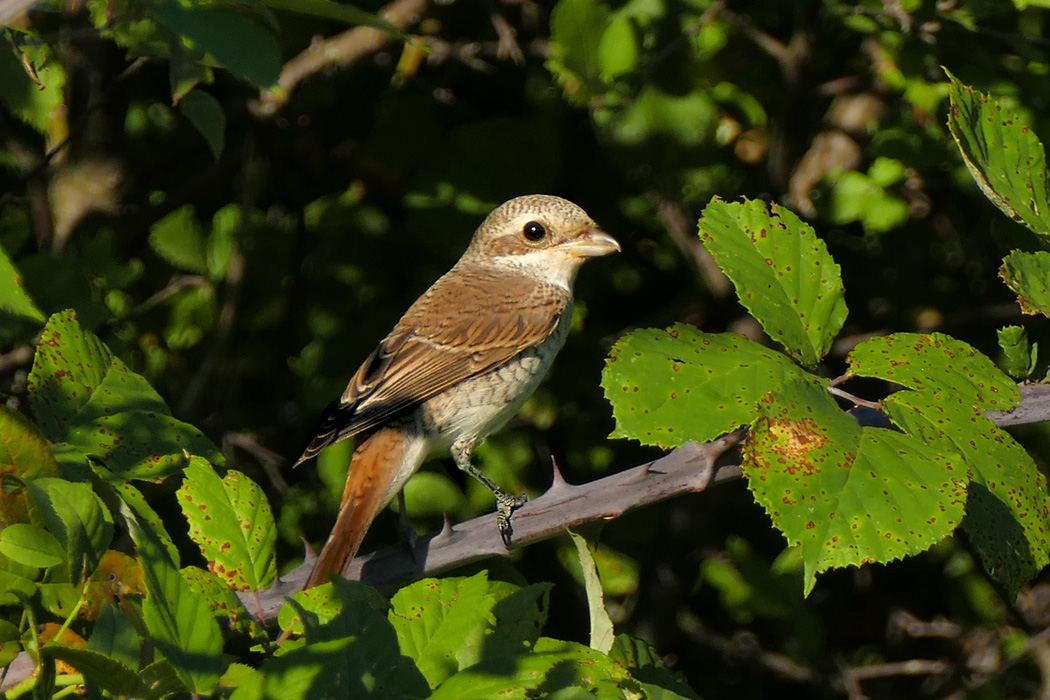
(505, 507)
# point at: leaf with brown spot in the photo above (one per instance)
(1028, 276)
(720, 378)
(1009, 523)
(857, 495)
(1005, 158)
(783, 273)
(91, 405)
(230, 520)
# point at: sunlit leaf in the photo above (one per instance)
(782, 272)
(1005, 158)
(671, 387)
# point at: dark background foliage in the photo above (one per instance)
(318, 225)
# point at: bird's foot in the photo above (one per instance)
(505, 507)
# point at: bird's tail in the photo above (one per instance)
(381, 464)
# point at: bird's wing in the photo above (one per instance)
(462, 327)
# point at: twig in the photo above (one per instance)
(689, 468)
(683, 233)
(339, 51)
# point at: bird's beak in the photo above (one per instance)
(594, 243)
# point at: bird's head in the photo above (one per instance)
(541, 234)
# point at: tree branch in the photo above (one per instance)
(690, 468)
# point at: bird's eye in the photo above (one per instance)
(534, 231)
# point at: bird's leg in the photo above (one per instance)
(406, 530)
(505, 503)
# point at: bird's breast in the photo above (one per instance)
(481, 405)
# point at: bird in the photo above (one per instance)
(459, 363)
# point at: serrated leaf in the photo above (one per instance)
(782, 272)
(324, 603)
(671, 387)
(1019, 356)
(91, 405)
(1012, 483)
(231, 522)
(1028, 276)
(13, 297)
(75, 515)
(179, 239)
(30, 545)
(24, 454)
(34, 95)
(354, 654)
(206, 115)
(177, 617)
(847, 495)
(553, 665)
(109, 674)
(601, 624)
(648, 668)
(237, 42)
(1005, 158)
(114, 636)
(223, 601)
(936, 363)
(446, 625)
(134, 499)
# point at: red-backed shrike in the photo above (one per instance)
(460, 362)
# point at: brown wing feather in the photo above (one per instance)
(463, 326)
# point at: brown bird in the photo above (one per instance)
(460, 362)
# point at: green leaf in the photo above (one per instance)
(646, 666)
(13, 297)
(1028, 276)
(689, 120)
(938, 364)
(15, 579)
(34, 98)
(238, 43)
(31, 545)
(24, 453)
(847, 495)
(222, 243)
(1005, 158)
(224, 603)
(111, 675)
(231, 521)
(618, 48)
(552, 667)
(177, 617)
(577, 28)
(92, 406)
(355, 654)
(782, 272)
(115, 636)
(324, 603)
(325, 9)
(1009, 522)
(1019, 356)
(75, 515)
(671, 387)
(446, 625)
(601, 624)
(205, 113)
(10, 642)
(178, 238)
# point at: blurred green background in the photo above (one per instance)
(247, 264)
